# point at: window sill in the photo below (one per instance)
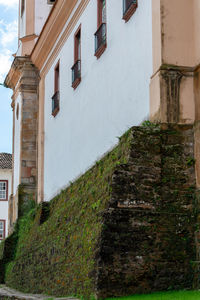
(76, 83)
(100, 51)
(130, 11)
(55, 112)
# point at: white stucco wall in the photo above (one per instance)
(42, 10)
(112, 96)
(22, 20)
(5, 174)
(17, 145)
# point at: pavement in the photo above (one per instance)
(8, 293)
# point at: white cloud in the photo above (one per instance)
(9, 3)
(8, 39)
(5, 63)
(8, 33)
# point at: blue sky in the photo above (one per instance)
(8, 46)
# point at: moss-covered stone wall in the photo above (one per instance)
(125, 226)
(148, 239)
(57, 256)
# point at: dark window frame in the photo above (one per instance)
(22, 7)
(76, 68)
(101, 33)
(56, 96)
(129, 8)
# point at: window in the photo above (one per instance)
(76, 68)
(100, 34)
(2, 229)
(51, 1)
(22, 7)
(56, 96)
(129, 7)
(17, 111)
(3, 190)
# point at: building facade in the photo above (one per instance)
(5, 192)
(81, 78)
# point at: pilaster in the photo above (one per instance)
(23, 78)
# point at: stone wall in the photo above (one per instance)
(148, 242)
(126, 226)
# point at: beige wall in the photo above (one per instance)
(177, 19)
(156, 27)
(176, 52)
(176, 48)
(196, 18)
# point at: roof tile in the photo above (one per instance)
(5, 161)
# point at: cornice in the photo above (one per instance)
(14, 73)
(19, 64)
(28, 38)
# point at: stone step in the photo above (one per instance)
(8, 293)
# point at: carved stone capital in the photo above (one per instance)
(170, 92)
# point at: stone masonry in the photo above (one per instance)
(29, 91)
(148, 235)
(148, 239)
(26, 86)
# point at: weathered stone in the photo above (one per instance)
(148, 240)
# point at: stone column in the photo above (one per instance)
(23, 78)
(170, 91)
(29, 92)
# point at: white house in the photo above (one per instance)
(5, 191)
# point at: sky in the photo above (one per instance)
(8, 46)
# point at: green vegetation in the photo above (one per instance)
(180, 295)
(58, 247)
(54, 249)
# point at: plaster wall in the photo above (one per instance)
(112, 96)
(31, 23)
(196, 12)
(156, 38)
(22, 20)
(187, 103)
(175, 28)
(5, 174)
(17, 145)
(42, 10)
(155, 95)
(177, 19)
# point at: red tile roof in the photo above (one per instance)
(5, 161)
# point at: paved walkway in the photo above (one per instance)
(6, 293)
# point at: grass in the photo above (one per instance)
(180, 295)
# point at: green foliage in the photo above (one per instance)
(56, 244)
(190, 161)
(179, 295)
(25, 201)
(149, 124)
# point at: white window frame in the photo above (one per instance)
(2, 229)
(3, 192)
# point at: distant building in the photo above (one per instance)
(5, 191)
